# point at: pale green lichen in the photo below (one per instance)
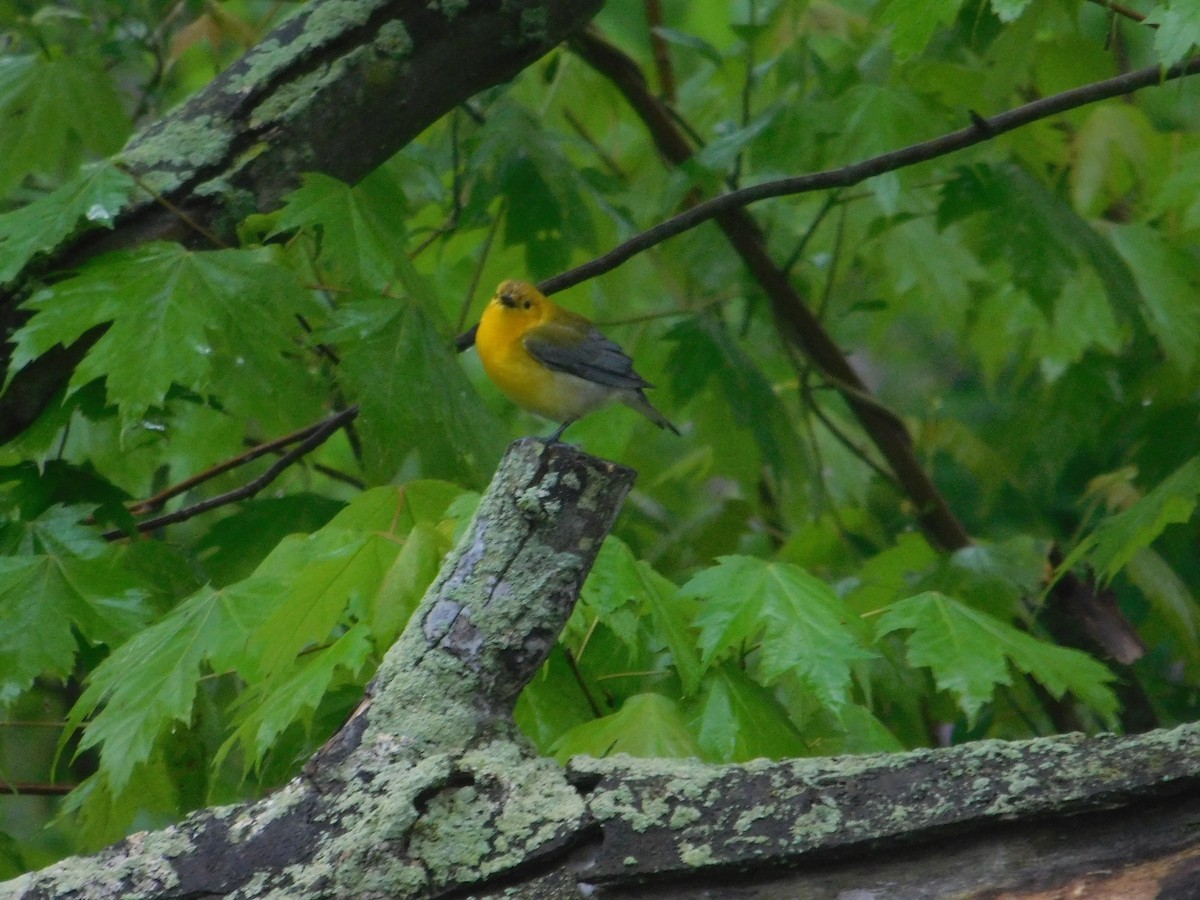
(249, 822)
(288, 101)
(748, 840)
(823, 819)
(453, 836)
(327, 22)
(696, 855)
(748, 817)
(187, 145)
(393, 41)
(258, 67)
(654, 811)
(684, 816)
(146, 862)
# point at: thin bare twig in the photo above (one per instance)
(1122, 10)
(37, 789)
(318, 434)
(451, 223)
(573, 665)
(208, 234)
(484, 252)
(613, 167)
(156, 502)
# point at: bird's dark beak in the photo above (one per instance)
(507, 299)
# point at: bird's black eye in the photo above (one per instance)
(527, 304)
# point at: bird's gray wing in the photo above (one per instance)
(591, 356)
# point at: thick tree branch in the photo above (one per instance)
(800, 812)
(337, 88)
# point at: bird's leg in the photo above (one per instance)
(554, 438)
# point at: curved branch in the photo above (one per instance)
(981, 129)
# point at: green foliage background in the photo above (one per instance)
(1028, 307)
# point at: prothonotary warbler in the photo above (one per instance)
(554, 362)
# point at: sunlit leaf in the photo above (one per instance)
(1113, 544)
(914, 21)
(1177, 31)
(270, 709)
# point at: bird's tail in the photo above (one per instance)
(637, 400)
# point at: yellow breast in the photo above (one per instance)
(554, 395)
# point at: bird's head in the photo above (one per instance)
(520, 300)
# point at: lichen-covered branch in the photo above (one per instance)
(428, 790)
(427, 787)
(670, 820)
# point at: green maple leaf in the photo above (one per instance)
(798, 622)
(1178, 29)
(413, 394)
(150, 681)
(623, 591)
(646, 725)
(90, 199)
(969, 654)
(272, 707)
(69, 581)
(49, 105)
(359, 229)
(219, 322)
(739, 720)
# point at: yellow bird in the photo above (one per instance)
(554, 362)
